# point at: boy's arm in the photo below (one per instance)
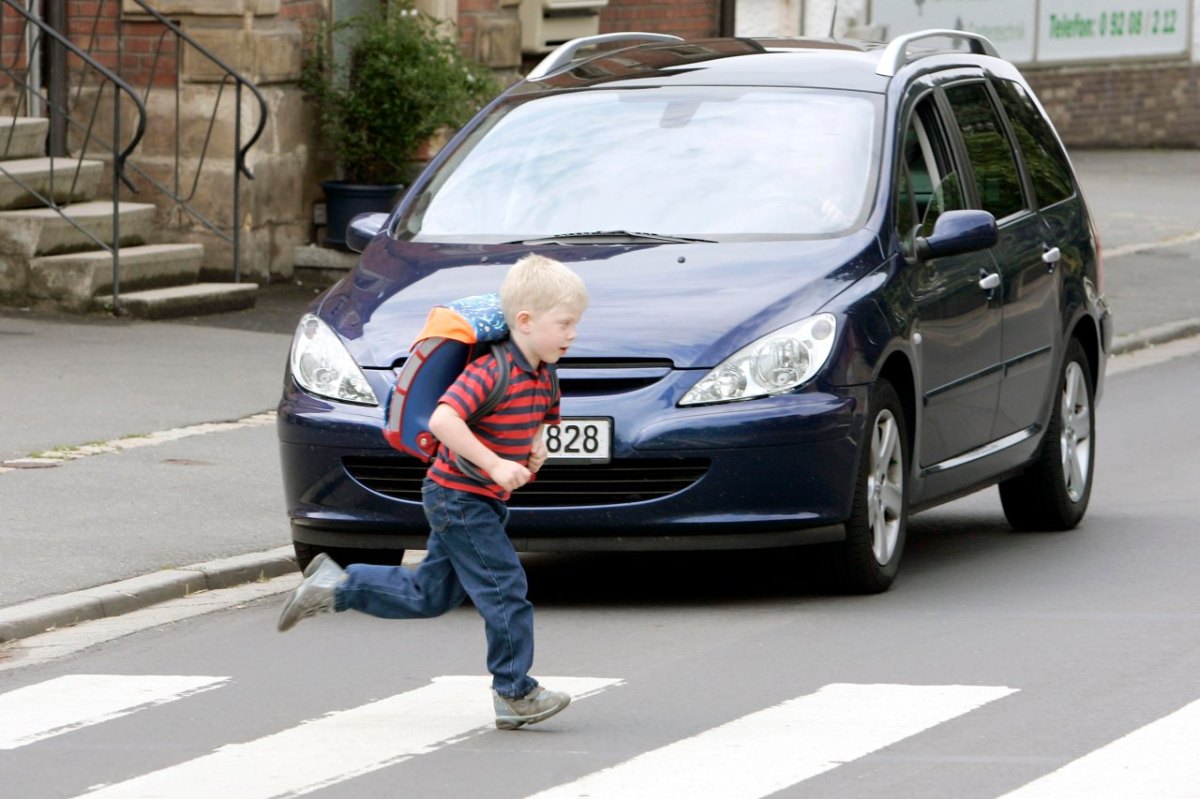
(539, 453)
(451, 430)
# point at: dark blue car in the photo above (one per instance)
(832, 283)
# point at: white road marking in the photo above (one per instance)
(1157, 760)
(68, 703)
(338, 746)
(767, 751)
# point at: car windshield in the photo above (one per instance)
(695, 162)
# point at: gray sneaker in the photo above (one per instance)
(314, 594)
(537, 705)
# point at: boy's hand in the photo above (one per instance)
(509, 475)
(538, 454)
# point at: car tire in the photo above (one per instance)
(1053, 492)
(869, 558)
(344, 557)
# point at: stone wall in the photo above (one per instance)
(1131, 104)
(260, 39)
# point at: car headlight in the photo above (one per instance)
(775, 363)
(322, 365)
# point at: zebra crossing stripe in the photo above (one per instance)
(338, 746)
(767, 751)
(68, 703)
(1157, 760)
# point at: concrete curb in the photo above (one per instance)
(1152, 336)
(115, 599)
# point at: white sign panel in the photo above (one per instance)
(1049, 31)
(1072, 30)
(1010, 24)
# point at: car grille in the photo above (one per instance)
(590, 377)
(618, 482)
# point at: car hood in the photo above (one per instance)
(690, 304)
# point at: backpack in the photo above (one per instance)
(453, 335)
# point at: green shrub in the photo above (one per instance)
(402, 83)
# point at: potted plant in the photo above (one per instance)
(402, 81)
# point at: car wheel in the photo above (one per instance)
(344, 557)
(1053, 492)
(867, 561)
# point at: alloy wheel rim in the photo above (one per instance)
(885, 487)
(1075, 439)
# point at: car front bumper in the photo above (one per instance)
(774, 471)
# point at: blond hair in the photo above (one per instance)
(537, 283)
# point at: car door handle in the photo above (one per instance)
(990, 282)
(1050, 257)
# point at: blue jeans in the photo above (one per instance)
(469, 554)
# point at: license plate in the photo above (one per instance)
(579, 441)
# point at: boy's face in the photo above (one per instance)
(547, 335)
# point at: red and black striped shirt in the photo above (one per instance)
(509, 429)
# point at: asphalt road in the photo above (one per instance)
(1052, 665)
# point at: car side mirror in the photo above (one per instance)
(363, 228)
(958, 232)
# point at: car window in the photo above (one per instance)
(928, 185)
(707, 162)
(992, 160)
(1045, 160)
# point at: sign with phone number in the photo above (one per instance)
(1074, 29)
(1051, 31)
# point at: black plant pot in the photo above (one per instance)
(344, 201)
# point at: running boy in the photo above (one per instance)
(469, 553)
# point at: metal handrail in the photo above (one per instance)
(231, 73)
(240, 82)
(120, 156)
(181, 197)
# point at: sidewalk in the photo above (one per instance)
(72, 381)
(1140, 198)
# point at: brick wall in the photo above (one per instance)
(303, 11)
(1127, 105)
(12, 44)
(144, 57)
(691, 19)
(472, 15)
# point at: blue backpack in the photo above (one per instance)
(453, 335)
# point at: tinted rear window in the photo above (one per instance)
(1044, 158)
(708, 162)
(996, 176)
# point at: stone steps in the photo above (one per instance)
(177, 301)
(44, 231)
(47, 259)
(23, 137)
(65, 179)
(75, 279)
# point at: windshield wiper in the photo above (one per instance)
(609, 237)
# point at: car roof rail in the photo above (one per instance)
(565, 53)
(895, 55)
